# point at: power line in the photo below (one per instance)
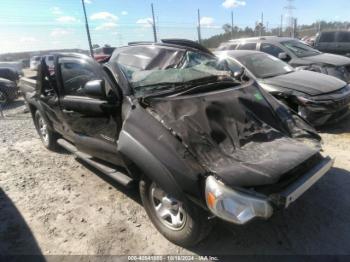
(289, 8)
(87, 29)
(154, 25)
(199, 27)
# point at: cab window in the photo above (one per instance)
(343, 37)
(271, 49)
(327, 37)
(247, 46)
(75, 74)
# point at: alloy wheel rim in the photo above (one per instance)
(168, 209)
(2, 98)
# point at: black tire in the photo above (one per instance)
(3, 98)
(195, 228)
(49, 139)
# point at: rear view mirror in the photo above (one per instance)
(95, 89)
(283, 56)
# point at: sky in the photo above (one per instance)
(28, 25)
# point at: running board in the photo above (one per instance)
(108, 171)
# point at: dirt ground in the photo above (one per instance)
(52, 204)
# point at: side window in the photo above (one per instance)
(227, 47)
(75, 74)
(271, 49)
(327, 37)
(232, 47)
(47, 80)
(247, 46)
(234, 66)
(343, 37)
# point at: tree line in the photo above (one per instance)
(300, 31)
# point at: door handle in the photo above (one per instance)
(67, 111)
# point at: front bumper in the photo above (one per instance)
(324, 116)
(325, 108)
(240, 207)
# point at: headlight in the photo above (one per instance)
(338, 71)
(232, 205)
(10, 84)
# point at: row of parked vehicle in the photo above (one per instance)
(312, 83)
(8, 84)
(204, 136)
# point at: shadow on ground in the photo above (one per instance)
(340, 127)
(132, 193)
(16, 237)
(13, 105)
(317, 223)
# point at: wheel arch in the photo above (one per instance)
(149, 165)
(35, 106)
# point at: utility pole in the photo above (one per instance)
(199, 27)
(262, 24)
(267, 26)
(87, 29)
(319, 26)
(232, 24)
(289, 8)
(295, 28)
(154, 25)
(281, 28)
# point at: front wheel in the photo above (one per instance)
(47, 136)
(181, 223)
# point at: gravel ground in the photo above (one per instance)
(52, 204)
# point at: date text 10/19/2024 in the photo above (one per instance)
(172, 258)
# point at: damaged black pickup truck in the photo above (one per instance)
(199, 144)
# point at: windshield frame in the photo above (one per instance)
(284, 45)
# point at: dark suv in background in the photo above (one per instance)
(296, 53)
(336, 42)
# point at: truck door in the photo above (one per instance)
(91, 123)
(48, 92)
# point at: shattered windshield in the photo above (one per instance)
(300, 49)
(194, 67)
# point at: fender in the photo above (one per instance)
(159, 154)
(34, 105)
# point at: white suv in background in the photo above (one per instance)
(35, 61)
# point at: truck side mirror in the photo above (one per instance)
(238, 74)
(283, 56)
(95, 89)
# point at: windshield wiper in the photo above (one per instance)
(179, 87)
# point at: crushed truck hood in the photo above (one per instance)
(236, 134)
(307, 82)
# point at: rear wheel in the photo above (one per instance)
(3, 98)
(181, 223)
(47, 136)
